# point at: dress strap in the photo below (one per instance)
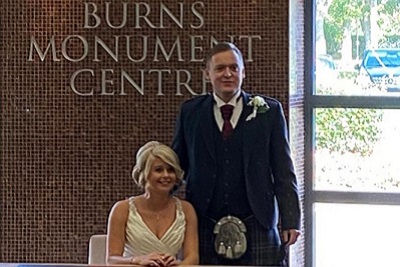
(132, 206)
(178, 204)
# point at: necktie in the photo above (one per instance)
(227, 127)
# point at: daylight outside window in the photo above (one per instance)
(357, 47)
(354, 146)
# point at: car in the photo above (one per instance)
(326, 73)
(380, 68)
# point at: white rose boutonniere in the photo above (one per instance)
(259, 106)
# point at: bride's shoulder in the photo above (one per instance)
(186, 206)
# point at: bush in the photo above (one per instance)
(348, 130)
(347, 74)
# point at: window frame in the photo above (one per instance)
(313, 102)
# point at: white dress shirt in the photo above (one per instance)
(237, 103)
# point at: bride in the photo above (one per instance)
(152, 228)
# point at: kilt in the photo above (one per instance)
(263, 246)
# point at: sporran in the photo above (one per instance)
(230, 237)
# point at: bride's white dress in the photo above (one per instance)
(140, 240)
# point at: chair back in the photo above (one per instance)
(97, 249)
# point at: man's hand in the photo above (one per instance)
(290, 236)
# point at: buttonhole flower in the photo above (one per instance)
(259, 106)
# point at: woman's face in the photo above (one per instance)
(162, 177)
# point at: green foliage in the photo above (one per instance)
(390, 41)
(333, 37)
(389, 23)
(342, 13)
(390, 7)
(347, 74)
(345, 10)
(348, 130)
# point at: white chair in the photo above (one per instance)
(97, 249)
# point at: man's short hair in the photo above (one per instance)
(223, 47)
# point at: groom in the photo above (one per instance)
(233, 147)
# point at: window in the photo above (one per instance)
(352, 132)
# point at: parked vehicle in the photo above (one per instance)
(380, 68)
(326, 72)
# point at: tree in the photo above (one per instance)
(321, 13)
(340, 22)
(378, 20)
(389, 12)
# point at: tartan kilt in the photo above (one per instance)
(263, 246)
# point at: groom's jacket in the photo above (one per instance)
(268, 169)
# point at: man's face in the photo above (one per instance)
(225, 72)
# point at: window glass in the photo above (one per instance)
(357, 149)
(349, 235)
(357, 47)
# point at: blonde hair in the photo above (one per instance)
(145, 158)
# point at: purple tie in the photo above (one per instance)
(227, 128)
